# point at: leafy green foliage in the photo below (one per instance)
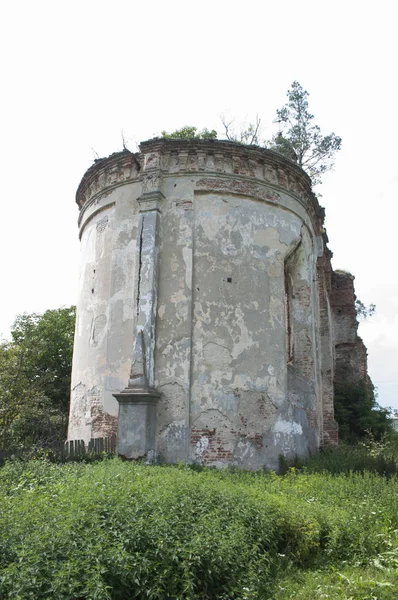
(35, 370)
(300, 139)
(190, 133)
(119, 530)
(367, 455)
(357, 412)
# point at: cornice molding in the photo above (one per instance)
(159, 158)
(107, 173)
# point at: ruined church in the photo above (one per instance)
(210, 324)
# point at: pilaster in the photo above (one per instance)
(137, 410)
(138, 401)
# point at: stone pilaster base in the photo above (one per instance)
(137, 423)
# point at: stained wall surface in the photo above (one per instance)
(216, 254)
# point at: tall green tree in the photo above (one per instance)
(35, 371)
(357, 412)
(301, 139)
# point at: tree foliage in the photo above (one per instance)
(363, 311)
(357, 412)
(190, 133)
(35, 369)
(301, 139)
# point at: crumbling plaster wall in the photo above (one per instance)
(228, 223)
(104, 324)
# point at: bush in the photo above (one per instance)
(369, 455)
(357, 412)
(190, 133)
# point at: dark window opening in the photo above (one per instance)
(289, 317)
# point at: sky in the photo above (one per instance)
(74, 75)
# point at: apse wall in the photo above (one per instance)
(209, 250)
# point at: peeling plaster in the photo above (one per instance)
(287, 427)
(191, 248)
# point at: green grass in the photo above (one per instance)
(349, 583)
(119, 530)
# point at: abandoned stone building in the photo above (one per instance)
(210, 324)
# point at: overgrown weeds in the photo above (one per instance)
(368, 455)
(117, 530)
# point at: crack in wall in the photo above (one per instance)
(217, 344)
(140, 265)
(210, 411)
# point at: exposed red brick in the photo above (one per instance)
(102, 422)
(215, 450)
(350, 352)
(312, 417)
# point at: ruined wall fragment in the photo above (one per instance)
(350, 351)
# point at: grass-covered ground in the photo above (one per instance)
(119, 530)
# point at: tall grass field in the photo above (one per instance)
(119, 530)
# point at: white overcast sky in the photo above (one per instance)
(74, 74)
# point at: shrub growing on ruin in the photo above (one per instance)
(190, 133)
(300, 139)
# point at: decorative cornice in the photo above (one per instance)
(240, 187)
(263, 171)
(107, 173)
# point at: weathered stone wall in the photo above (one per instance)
(350, 351)
(215, 254)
